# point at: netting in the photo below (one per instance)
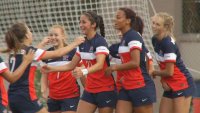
(40, 15)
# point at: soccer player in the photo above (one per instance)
(22, 95)
(138, 92)
(11, 77)
(114, 57)
(64, 91)
(176, 80)
(99, 89)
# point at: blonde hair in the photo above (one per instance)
(60, 27)
(168, 22)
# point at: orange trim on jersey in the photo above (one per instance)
(170, 61)
(41, 56)
(102, 53)
(135, 48)
(32, 91)
(4, 95)
(78, 54)
(3, 70)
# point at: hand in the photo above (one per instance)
(151, 73)
(29, 56)
(47, 40)
(165, 86)
(109, 70)
(77, 73)
(79, 40)
(46, 69)
(154, 74)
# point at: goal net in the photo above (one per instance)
(40, 15)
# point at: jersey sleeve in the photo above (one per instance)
(3, 66)
(38, 53)
(114, 50)
(169, 51)
(134, 41)
(101, 46)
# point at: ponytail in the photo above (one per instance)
(138, 25)
(101, 26)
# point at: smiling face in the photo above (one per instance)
(57, 33)
(158, 25)
(121, 21)
(86, 25)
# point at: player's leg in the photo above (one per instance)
(187, 103)
(144, 109)
(86, 107)
(124, 104)
(166, 105)
(87, 103)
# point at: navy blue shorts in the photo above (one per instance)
(197, 92)
(2, 109)
(140, 96)
(23, 104)
(102, 99)
(185, 92)
(69, 104)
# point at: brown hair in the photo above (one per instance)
(136, 22)
(14, 37)
(94, 18)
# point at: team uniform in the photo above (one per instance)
(99, 89)
(21, 94)
(138, 87)
(181, 82)
(116, 59)
(64, 90)
(3, 92)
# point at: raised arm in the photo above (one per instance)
(62, 51)
(12, 77)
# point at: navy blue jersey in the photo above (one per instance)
(25, 84)
(97, 81)
(167, 51)
(133, 78)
